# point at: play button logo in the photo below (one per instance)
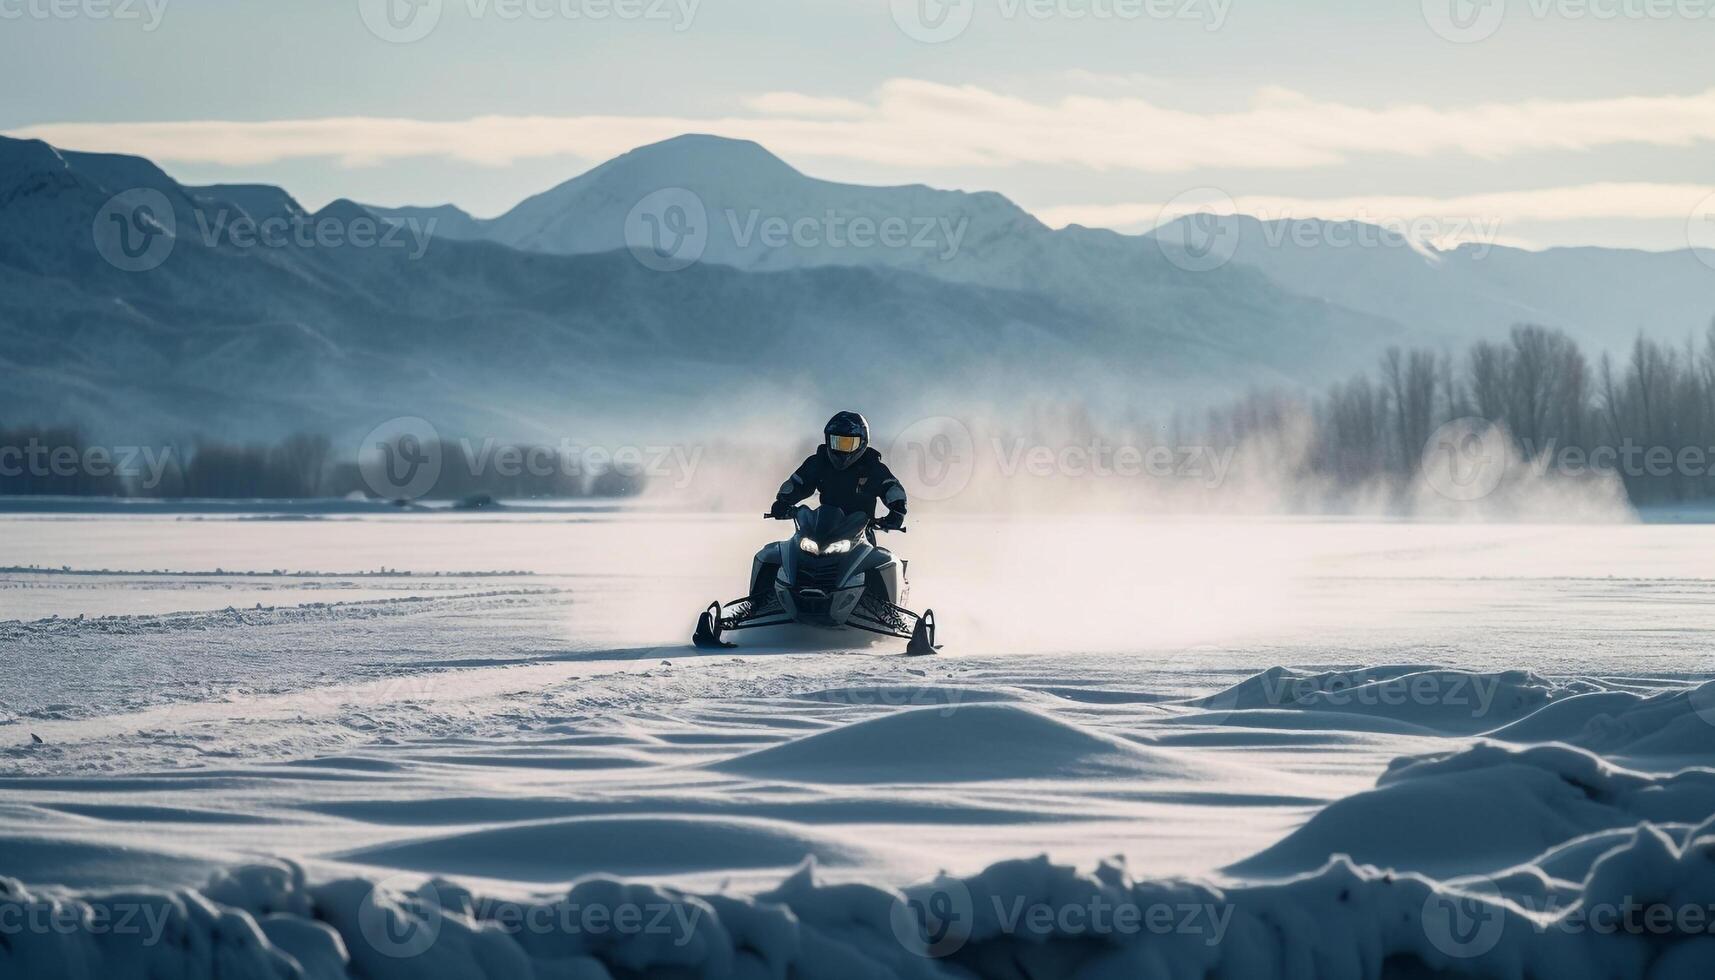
(400, 21)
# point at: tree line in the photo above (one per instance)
(60, 461)
(1647, 415)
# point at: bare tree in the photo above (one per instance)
(1410, 380)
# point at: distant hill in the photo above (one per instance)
(543, 322)
(247, 341)
(227, 337)
(1229, 326)
(1603, 297)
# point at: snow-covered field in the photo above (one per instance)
(426, 745)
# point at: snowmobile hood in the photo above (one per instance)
(828, 524)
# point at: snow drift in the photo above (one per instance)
(1425, 813)
(1630, 917)
(973, 741)
(558, 850)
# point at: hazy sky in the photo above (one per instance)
(1530, 121)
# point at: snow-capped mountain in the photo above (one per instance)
(746, 194)
(761, 214)
(543, 320)
(231, 337)
(1603, 297)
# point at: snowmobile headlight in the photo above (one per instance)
(838, 547)
(805, 544)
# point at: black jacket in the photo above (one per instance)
(854, 489)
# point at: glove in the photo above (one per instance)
(780, 511)
(894, 521)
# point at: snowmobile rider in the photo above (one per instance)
(847, 473)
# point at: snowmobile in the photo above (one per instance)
(831, 574)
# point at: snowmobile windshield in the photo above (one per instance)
(826, 525)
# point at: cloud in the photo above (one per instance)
(361, 141)
(918, 124)
(1586, 202)
(799, 104)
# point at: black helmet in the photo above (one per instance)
(846, 435)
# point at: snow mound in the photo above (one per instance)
(80, 862)
(1667, 726)
(1485, 807)
(1452, 702)
(951, 744)
(1675, 725)
(1018, 918)
(560, 850)
(1562, 720)
(909, 695)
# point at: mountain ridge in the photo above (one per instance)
(1602, 296)
(233, 337)
(254, 342)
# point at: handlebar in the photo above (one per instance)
(874, 524)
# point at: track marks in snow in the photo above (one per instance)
(259, 617)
